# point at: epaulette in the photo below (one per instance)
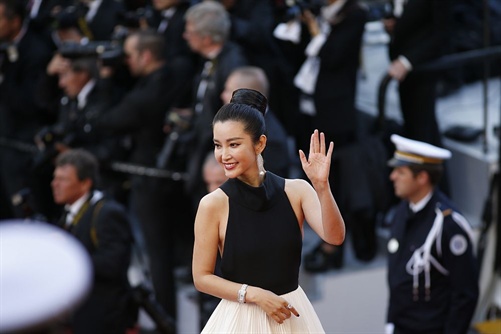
(447, 212)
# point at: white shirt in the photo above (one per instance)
(93, 8)
(415, 207)
(84, 93)
(73, 209)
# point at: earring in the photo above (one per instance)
(260, 164)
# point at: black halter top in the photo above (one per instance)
(263, 239)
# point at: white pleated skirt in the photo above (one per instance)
(232, 317)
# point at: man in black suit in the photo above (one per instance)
(102, 226)
(418, 30)
(22, 61)
(83, 101)
(158, 204)
(169, 21)
(207, 32)
(328, 101)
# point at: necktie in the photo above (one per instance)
(63, 218)
(72, 110)
(167, 15)
(69, 221)
(33, 7)
(410, 213)
(204, 82)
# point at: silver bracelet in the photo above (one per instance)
(241, 294)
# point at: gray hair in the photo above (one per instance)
(210, 18)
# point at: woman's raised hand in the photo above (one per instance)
(317, 165)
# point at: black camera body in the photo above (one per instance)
(132, 18)
(109, 52)
(48, 137)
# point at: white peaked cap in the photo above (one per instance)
(413, 152)
(45, 272)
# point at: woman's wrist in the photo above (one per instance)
(250, 296)
(242, 294)
(321, 186)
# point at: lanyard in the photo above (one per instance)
(79, 215)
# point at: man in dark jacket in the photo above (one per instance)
(156, 203)
(432, 270)
(207, 32)
(102, 226)
(328, 102)
(418, 31)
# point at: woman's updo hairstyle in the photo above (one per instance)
(247, 106)
(251, 98)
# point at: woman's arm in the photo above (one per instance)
(318, 203)
(207, 221)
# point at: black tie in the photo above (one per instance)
(62, 220)
(72, 110)
(410, 213)
(204, 82)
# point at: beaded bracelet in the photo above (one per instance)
(241, 294)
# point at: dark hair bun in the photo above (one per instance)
(250, 97)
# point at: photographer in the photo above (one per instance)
(85, 98)
(102, 226)
(65, 29)
(327, 80)
(157, 204)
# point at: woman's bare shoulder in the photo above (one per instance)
(213, 200)
(296, 189)
(296, 184)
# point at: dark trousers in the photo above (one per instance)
(417, 101)
(161, 211)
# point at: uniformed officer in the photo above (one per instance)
(432, 269)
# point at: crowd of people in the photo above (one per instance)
(107, 119)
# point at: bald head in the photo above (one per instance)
(245, 77)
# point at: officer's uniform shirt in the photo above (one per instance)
(432, 269)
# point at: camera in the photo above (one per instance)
(132, 19)
(109, 52)
(46, 140)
